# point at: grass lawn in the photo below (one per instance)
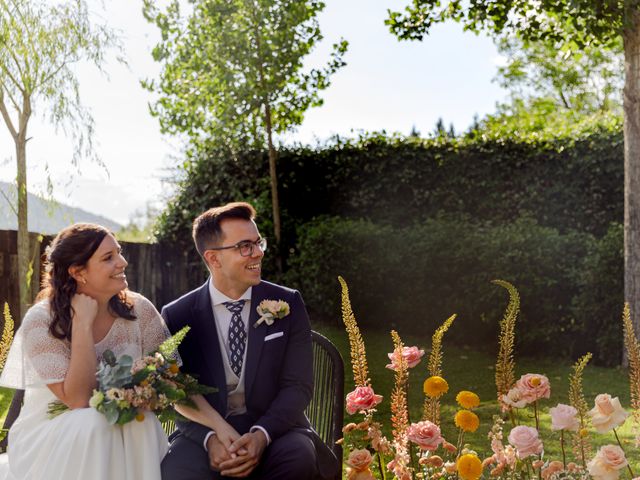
(467, 369)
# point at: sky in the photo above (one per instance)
(386, 85)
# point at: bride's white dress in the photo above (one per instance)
(78, 444)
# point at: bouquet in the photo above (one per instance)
(126, 388)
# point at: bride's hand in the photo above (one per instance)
(227, 435)
(85, 310)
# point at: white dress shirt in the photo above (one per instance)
(222, 317)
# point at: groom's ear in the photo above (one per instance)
(211, 257)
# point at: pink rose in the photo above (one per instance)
(359, 460)
(526, 441)
(607, 463)
(362, 398)
(607, 413)
(514, 398)
(564, 417)
(425, 434)
(412, 356)
(533, 387)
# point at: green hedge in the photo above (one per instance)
(567, 184)
(413, 278)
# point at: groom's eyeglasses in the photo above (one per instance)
(246, 246)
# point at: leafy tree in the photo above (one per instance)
(583, 81)
(232, 72)
(574, 24)
(39, 42)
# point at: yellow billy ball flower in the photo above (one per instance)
(467, 420)
(469, 467)
(140, 417)
(467, 399)
(435, 386)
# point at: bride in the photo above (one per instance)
(83, 310)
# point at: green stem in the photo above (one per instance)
(564, 458)
(381, 467)
(620, 443)
(535, 414)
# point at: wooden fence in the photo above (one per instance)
(161, 272)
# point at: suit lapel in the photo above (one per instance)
(256, 339)
(210, 345)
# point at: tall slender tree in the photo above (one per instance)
(40, 41)
(575, 24)
(233, 71)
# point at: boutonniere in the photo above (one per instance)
(269, 310)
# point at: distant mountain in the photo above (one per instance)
(44, 216)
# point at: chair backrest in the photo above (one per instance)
(325, 411)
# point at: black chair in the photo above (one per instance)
(325, 411)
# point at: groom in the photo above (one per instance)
(263, 370)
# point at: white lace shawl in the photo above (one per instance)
(37, 358)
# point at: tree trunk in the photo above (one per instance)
(23, 229)
(275, 202)
(631, 105)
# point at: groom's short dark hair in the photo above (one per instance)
(206, 228)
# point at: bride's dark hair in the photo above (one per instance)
(74, 246)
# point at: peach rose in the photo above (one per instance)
(607, 463)
(607, 413)
(425, 434)
(357, 475)
(533, 387)
(526, 441)
(514, 399)
(551, 469)
(412, 356)
(361, 399)
(564, 417)
(359, 459)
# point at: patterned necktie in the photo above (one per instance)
(237, 336)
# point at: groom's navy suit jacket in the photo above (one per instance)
(278, 379)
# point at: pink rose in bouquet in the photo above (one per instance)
(607, 463)
(564, 417)
(526, 441)
(412, 356)
(361, 399)
(607, 413)
(533, 386)
(425, 434)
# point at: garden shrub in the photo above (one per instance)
(414, 277)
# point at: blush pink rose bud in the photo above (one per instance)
(425, 434)
(564, 417)
(607, 413)
(359, 459)
(526, 441)
(607, 463)
(412, 355)
(533, 387)
(361, 399)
